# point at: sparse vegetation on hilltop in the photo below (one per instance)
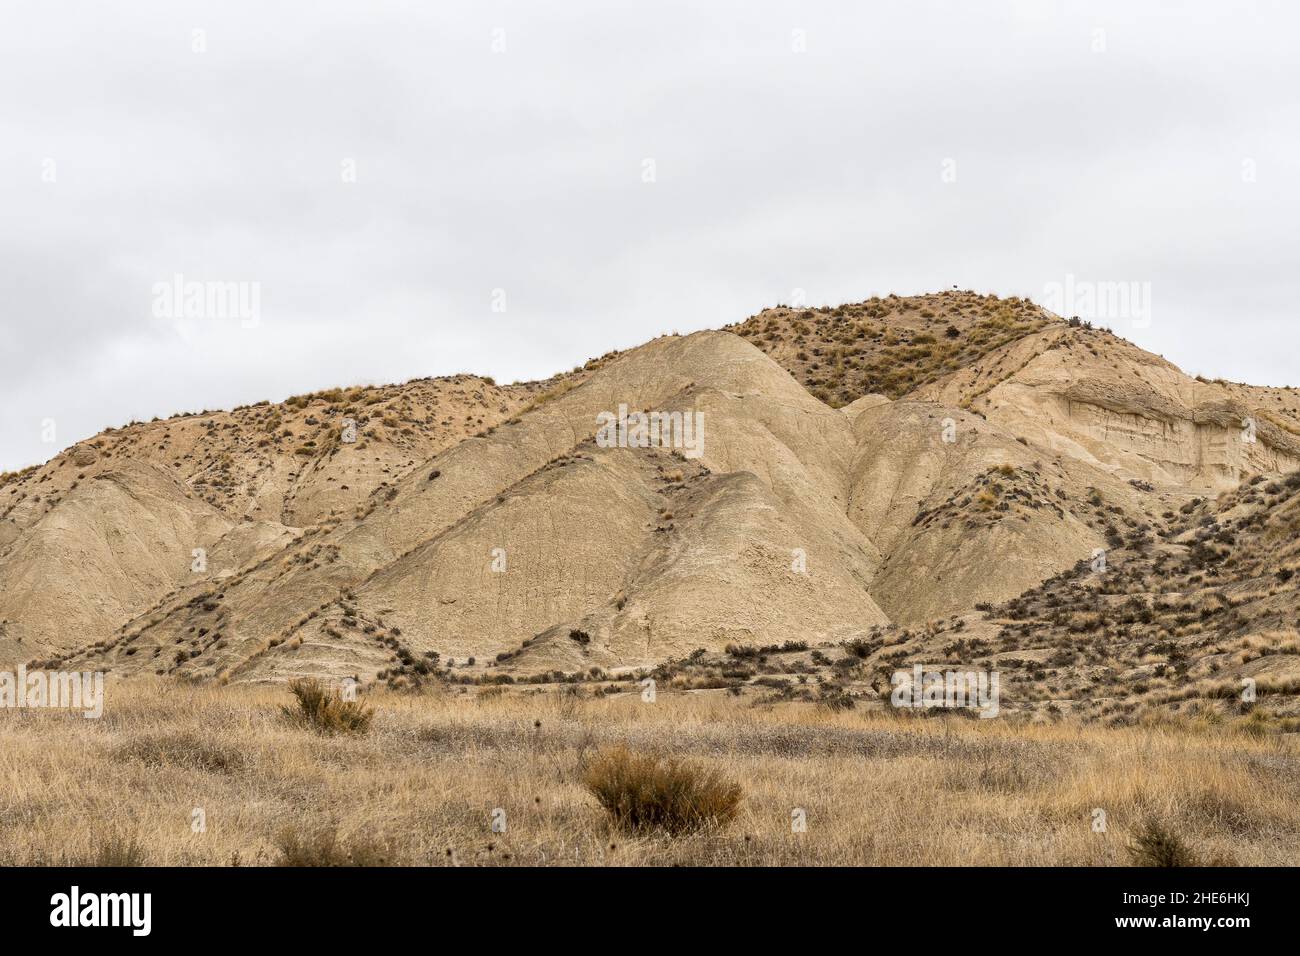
(891, 345)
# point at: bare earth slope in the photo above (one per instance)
(1104, 401)
(92, 538)
(574, 531)
(281, 462)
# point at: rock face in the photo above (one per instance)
(1106, 402)
(83, 456)
(533, 547)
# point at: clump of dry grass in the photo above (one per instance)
(325, 711)
(321, 846)
(185, 749)
(1157, 845)
(647, 792)
(118, 850)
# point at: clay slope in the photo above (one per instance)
(92, 565)
(1099, 399)
(107, 551)
(965, 513)
(414, 559)
(287, 462)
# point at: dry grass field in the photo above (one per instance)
(424, 781)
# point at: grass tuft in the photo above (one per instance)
(646, 792)
(116, 850)
(1157, 845)
(322, 847)
(325, 711)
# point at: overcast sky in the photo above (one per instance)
(416, 189)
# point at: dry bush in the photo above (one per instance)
(321, 847)
(1157, 845)
(325, 711)
(117, 850)
(646, 792)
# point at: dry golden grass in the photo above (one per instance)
(423, 785)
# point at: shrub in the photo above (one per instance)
(322, 847)
(861, 648)
(1157, 845)
(837, 700)
(646, 792)
(118, 851)
(327, 712)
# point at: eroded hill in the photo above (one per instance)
(977, 448)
